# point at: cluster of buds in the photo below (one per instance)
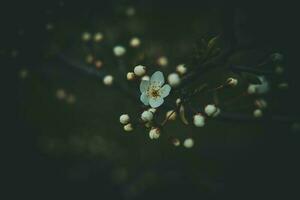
(125, 119)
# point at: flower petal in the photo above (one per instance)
(145, 99)
(144, 86)
(157, 79)
(165, 91)
(156, 102)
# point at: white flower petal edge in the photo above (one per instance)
(165, 91)
(145, 99)
(157, 79)
(154, 103)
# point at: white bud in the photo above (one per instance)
(232, 81)
(98, 64)
(128, 127)
(252, 89)
(181, 69)
(260, 103)
(86, 36)
(147, 116)
(176, 142)
(130, 76)
(146, 78)
(162, 61)
(108, 80)
(174, 79)
(171, 115)
(89, 59)
(178, 101)
(210, 109)
(148, 124)
(98, 37)
(199, 120)
(124, 119)
(154, 133)
(188, 143)
(135, 42)
(257, 113)
(217, 112)
(140, 70)
(119, 51)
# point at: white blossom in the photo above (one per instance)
(181, 69)
(147, 116)
(174, 79)
(188, 143)
(154, 133)
(199, 120)
(210, 109)
(135, 42)
(128, 127)
(124, 119)
(119, 51)
(153, 91)
(108, 80)
(140, 70)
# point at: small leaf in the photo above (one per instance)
(182, 115)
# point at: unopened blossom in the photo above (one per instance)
(188, 143)
(146, 78)
(262, 88)
(139, 70)
(154, 133)
(176, 142)
(98, 37)
(130, 76)
(147, 116)
(178, 101)
(232, 81)
(119, 51)
(210, 109)
(217, 112)
(98, 64)
(108, 80)
(174, 79)
(135, 42)
(199, 120)
(181, 69)
(171, 115)
(257, 113)
(124, 119)
(162, 61)
(261, 103)
(128, 127)
(86, 36)
(154, 91)
(153, 110)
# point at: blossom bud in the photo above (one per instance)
(139, 70)
(178, 101)
(147, 116)
(124, 119)
(119, 51)
(128, 127)
(232, 82)
(108, 80)
(130, 76)
(153, 110)
(260, 103)
(98, 64)
(86, 36)
(135, 42)
(162, 61)
(181, 69)
(188, 143)
(257, 113)
(174, 79)
(176, 142)
(217, 112)
(171, 115)
(154, 133)
(252, 89)
(98, 37)
(199, 120)
(146, 78)
(210, 109)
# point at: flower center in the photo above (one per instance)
(154, 92)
